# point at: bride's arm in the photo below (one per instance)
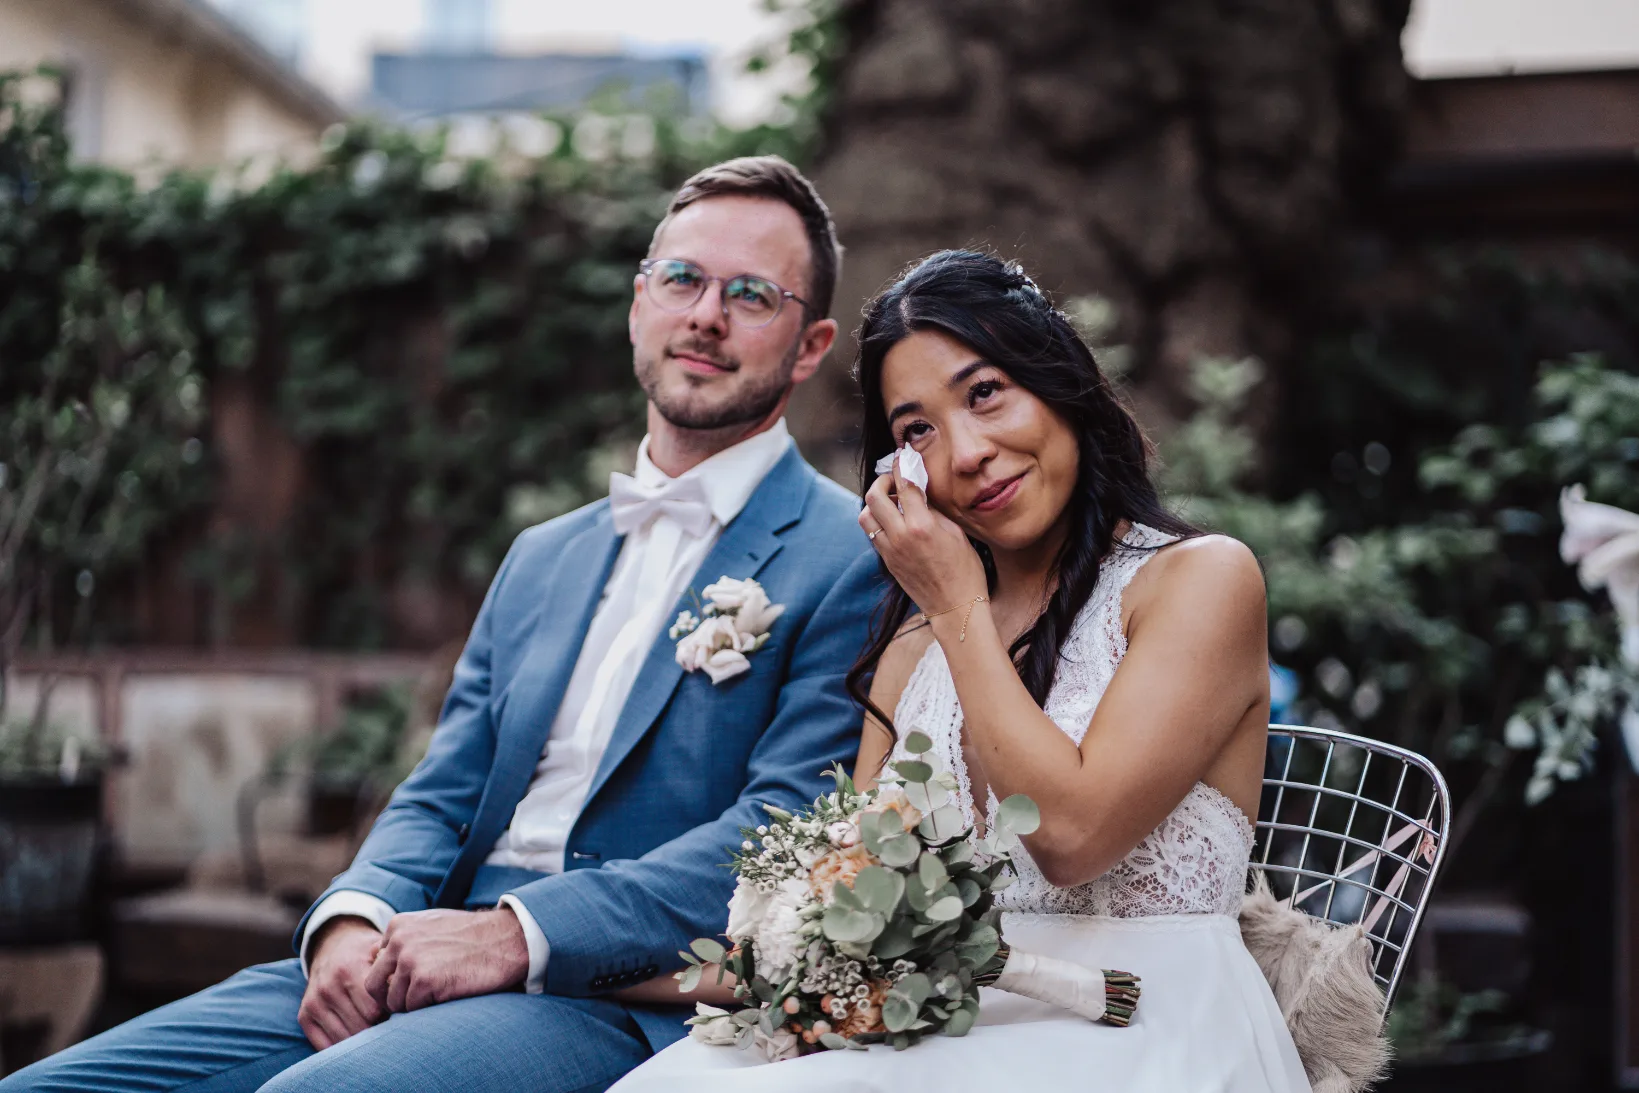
(1196, 667)
(893, 672)
(662, 990)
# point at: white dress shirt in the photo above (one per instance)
(658, 559)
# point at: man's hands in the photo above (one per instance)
(358, 975)
(428, 957)
(336, 1004)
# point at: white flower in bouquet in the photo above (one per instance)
(719, 1028)
(778, 1045)
(779, 941)
(746, 909)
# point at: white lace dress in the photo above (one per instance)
(1207, 1020)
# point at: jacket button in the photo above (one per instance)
(650, 971)
(599, 982)
(583, 855)
(461, 835)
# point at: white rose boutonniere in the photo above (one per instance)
(736, 619)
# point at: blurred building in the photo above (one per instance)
(413, 60)
(170, 82)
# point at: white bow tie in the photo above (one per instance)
(632, 505)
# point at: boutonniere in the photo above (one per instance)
(734, 622)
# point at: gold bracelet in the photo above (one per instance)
(927, 616)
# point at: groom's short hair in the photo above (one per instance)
(772, 177)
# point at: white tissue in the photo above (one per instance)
(911, 467)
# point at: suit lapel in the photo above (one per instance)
(744, 548)
(566, 601)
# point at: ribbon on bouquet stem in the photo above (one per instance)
(1109, 996)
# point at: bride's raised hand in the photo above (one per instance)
(927, 553)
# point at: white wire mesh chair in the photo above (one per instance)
(1353, 830)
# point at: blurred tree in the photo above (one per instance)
(1190, 161)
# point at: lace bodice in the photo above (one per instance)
(1195, 862)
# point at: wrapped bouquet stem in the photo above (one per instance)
(868, 918)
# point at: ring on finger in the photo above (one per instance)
(872, 536)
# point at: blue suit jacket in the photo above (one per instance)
(688, 764)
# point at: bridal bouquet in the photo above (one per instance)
(867, 919)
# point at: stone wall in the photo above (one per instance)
(1191, 161)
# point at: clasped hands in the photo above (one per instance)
(358, 976)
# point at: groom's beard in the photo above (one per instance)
(752, 398)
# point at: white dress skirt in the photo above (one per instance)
(1206, 1020)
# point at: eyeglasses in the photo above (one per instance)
(675, 285)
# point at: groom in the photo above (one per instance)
(567, 832)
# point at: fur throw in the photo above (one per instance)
(1322, 980)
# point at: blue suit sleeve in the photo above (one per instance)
(419, 833)
(638, 913)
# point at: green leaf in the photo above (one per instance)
(897, 1012)
(708, 950)
(843, 896)
(895, 940)
(843, 924)
(947, 909)
(835, 1042)
(943, 823)
(916, 743)
(969, 890)
(916, 987)
(879, 889)
(689, 977)
(899, 852)
(870, 831)
(960, 1023)
(979, 946)
(931, 872)
(958, 853)
(1018, 814)
(913, 770)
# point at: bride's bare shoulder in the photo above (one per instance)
(1203, 574)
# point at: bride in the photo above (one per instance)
(1058, 634)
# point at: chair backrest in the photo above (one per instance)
(1353, 831)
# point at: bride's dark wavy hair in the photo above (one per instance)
(994, 309)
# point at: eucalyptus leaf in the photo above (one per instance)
(943, 823)
(931, 872)
(689, 977)
(957, 853)
(706, 949)
(899, 851)
(916, 987)
(870, 831)
(960, 1023)
(913, 770)
(969, 891)
(843, 896)
(897, 1012)
(947, 909)
(895, 940)
(843, 924)
(1018, 814)
(917, 742)
(926, 796)
(879, 889)
(979, 946)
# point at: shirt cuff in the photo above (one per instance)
(373, 909)
(535, 938)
